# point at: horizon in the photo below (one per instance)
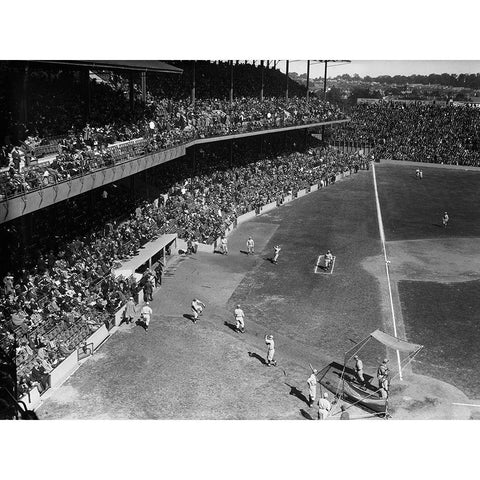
(376, 68)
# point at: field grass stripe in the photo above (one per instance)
(382, 238)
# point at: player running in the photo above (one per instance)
(445, 219)
(240, 319)
(197, 308)
(250, 246)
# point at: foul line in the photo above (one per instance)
(466, 404)
(382, 238)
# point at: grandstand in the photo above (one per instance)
(96, 164)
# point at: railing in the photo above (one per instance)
(117, 155)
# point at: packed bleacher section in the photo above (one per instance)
(171, 123)
(54, 303)
(416, 132)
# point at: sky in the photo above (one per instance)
(374, 68)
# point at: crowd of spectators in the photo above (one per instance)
(171, 123)
(416, 132)
(54, 304)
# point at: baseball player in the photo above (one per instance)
(324, 407)
(359, 370)
(197, 308)
(276, 251)
(445, 219)
(224, 246)
(250, 246)
(383, 373)
(271, 351)
(312, 388)
(239, 317)
(146, 314)
(328, 259)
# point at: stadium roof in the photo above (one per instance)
(137, 65)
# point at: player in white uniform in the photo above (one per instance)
(312, 388)
(445, 219)
(271, 351)
(324, 407)
(328, 259)
(276, 251)
(146, 313)
(240, 319)
(224, 246)
(197, 308)
(250, 246)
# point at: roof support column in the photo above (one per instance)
(193, 83)
(231, 82)
(263, 75)
(24, 96)
(144, 87)
(286, 80)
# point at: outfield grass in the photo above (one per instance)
(437, 269)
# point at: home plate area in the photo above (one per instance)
(321, 266)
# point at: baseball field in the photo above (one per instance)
(181, 370)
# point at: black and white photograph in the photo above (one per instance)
(285, 238)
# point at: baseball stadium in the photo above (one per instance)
(213, 240)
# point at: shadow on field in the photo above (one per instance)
(437, 225)
(297, 393)
(258, 357)
(231, 326)
(189, 316)
(141, 323)
(269, 259)
(306, 415)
